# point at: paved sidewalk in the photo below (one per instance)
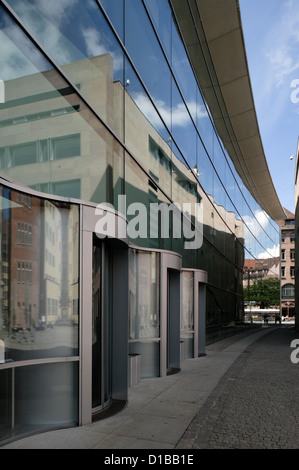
(256, 403)
(173, 412)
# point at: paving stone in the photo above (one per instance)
(256, 403)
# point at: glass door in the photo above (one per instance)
(173, 322)
(101, 328)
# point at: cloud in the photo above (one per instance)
(255, 228)
(95, 46)
(43, 21)
(283, 63)
(93, 42)
(56, 13)
(257, 223)
(270, 253)
(177, 116)
(13, 61)
(282, 45)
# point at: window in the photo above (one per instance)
(292, 271)
(69, 188)
(19, 271)
(40, 151)
(292, 254)
(26, 273)
(283, 271)
(288, 291)
(159, 154)
(2, 158)
(43, 151)
(30, 235)
(290, 222)
(292, 237)
(66, 147)
(283, 255)
(24, 234)
(23, 154)
(283, 237)
(23, 272)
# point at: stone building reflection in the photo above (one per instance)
(61, 148)
(39, 279)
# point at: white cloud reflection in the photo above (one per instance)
(175, 116)
(255, 228)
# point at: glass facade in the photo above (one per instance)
(110, 108)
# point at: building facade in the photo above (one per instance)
(133, 186)
(297, 239)
(287, 268)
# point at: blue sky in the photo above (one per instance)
(271, 32)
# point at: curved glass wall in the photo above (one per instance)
(39, 312)
(95, 120)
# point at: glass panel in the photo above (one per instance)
(50, 140)
(160, 163)
(115, 12)
(150, 357)
(107, 329)
(145, 206)
(6, 405)
(142, 120)
(144, 308)
(101, 326)
(188, 344)
(39, 397)
(39, 276)
(139, 32)
(204, 170)
(46, 396)
(187, 301)
(161, 16)
(97, 327)
(92, 39)
(182, 127)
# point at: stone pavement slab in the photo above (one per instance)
(255, 404)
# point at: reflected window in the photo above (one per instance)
(288, 291)
(23, 154)
(66, 147)
(283, 271)
(159, 154)
(67, 188)
(42, 150)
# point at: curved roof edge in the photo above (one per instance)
(220, 64)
